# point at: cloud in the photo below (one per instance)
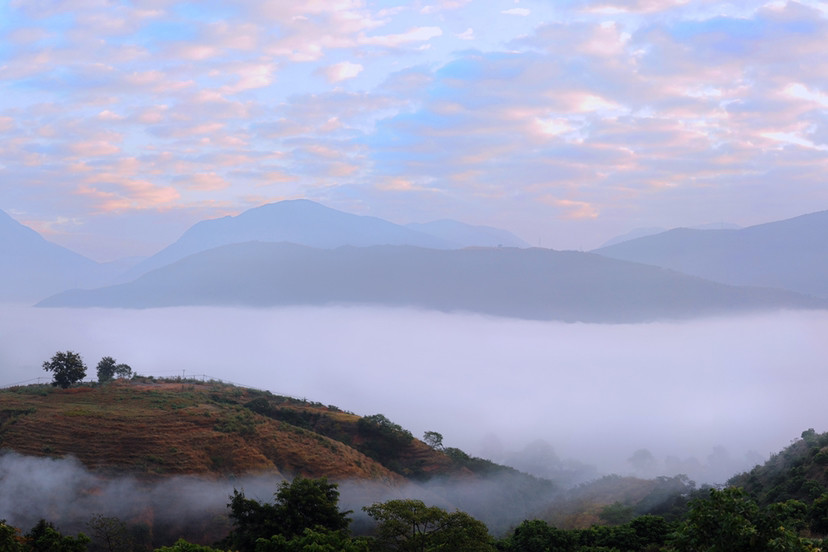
(343, 71)
(676, 389)
(523, 12)
(468, 34)
(207, 182)
(416, 34)
(6, 124)
(674, 111)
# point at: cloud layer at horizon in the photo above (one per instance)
(699, 395)
(569, 122)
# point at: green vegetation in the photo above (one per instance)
(67, 368)
(109, 369)
(411, 526)
(299, 505)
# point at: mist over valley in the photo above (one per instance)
(707, 398)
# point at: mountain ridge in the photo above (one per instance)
(38, 267)
(534, 283)
(787, 254)
(306, 222)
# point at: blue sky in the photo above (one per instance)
(123, 123)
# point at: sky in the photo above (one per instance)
(122, 123)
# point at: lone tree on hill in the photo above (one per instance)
(109, 369)
(67, 367)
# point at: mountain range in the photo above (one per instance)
(537, 284)
(305, 222)
(789, 254)
(299, 252)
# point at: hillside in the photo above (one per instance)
(788, 254)
(537, 284)
(149, 438)
(151, 428)
(799, 472)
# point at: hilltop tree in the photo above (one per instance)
(433, 439)
(67, 367)
(108, 369)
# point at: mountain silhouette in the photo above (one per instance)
(790, 254)
(537, 284)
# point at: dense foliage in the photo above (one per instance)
(301, 504)
(67, 367)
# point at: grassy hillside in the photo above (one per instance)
(155, 428)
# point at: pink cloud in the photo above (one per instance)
(93, 148)
(6, 124)
(207, 182)
(342, 71)
(416, 34)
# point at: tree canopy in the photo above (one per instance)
(109, 369)
(67, 368)
(411, 526)
(300, 504)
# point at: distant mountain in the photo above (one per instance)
(461, 234)
(634, 234)
(297, 221)
(34, 268)
(536, 284)
(790, 254)
(652, 230)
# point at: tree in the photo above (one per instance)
(182, 545)
(433, 439)
(730, 521)
(319, 540)
(411, 526)
(67, 367)
(43, 537)
(109, 533)
(299, 505)
(108, 369)
(538, 536)
(9, 537)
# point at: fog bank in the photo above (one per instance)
(707, 397)
(64, 492)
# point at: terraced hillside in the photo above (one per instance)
(155, 428)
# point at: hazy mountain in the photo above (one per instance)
(296, 221)
(652, 230)
(537, 284)
(34, 268)
(790, 254)
(466, 235)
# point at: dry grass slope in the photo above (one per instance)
(157, 428)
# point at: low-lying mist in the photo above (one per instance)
(67, 494)
(707, 398)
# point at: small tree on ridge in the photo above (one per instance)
(67, 368)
